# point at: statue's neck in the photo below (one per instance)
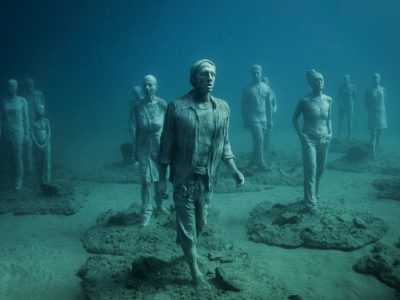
(201, 97)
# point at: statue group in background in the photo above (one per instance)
(21, 123)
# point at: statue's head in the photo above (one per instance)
(202, 75)
(149, 85)
(315, 80)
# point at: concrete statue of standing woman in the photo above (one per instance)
(315, 136)
(14, 128)
(41, 134)
(149, 118)
(375, 101)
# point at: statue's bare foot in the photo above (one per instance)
(201, 284)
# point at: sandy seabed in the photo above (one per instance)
(40, 255)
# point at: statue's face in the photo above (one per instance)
(30, 84)
(40, 110)
(346, 79)
(12, 86)
(377, 79)
(256, 73)
(317, 83)
(205, 78)
(149, 86)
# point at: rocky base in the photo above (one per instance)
(145, 263)
(290, 226)
(59, 197)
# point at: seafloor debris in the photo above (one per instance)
(383, 262)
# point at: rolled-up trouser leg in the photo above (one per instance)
(257, 132)
(192, 199)
(309, 171)
(146, 209)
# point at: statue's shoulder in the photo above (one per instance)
(305, 99)
(22, 99)
(328, 98)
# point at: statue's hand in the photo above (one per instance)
(238, 177)
(154, 126)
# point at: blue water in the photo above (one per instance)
(86, 56)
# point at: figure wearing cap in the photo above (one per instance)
(194, 141)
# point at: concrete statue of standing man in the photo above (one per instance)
(346, 97)
(14, 128)
(257, 114)
(194, 141)
(136, 97)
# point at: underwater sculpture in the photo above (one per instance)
(346, 97)
(41, 134)
(149, 118)
(34, 98)
(136, 97)
(315, 136)
(194, 141)
(375, 101)
(14, 128)
(257, 114)
(274, 104)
